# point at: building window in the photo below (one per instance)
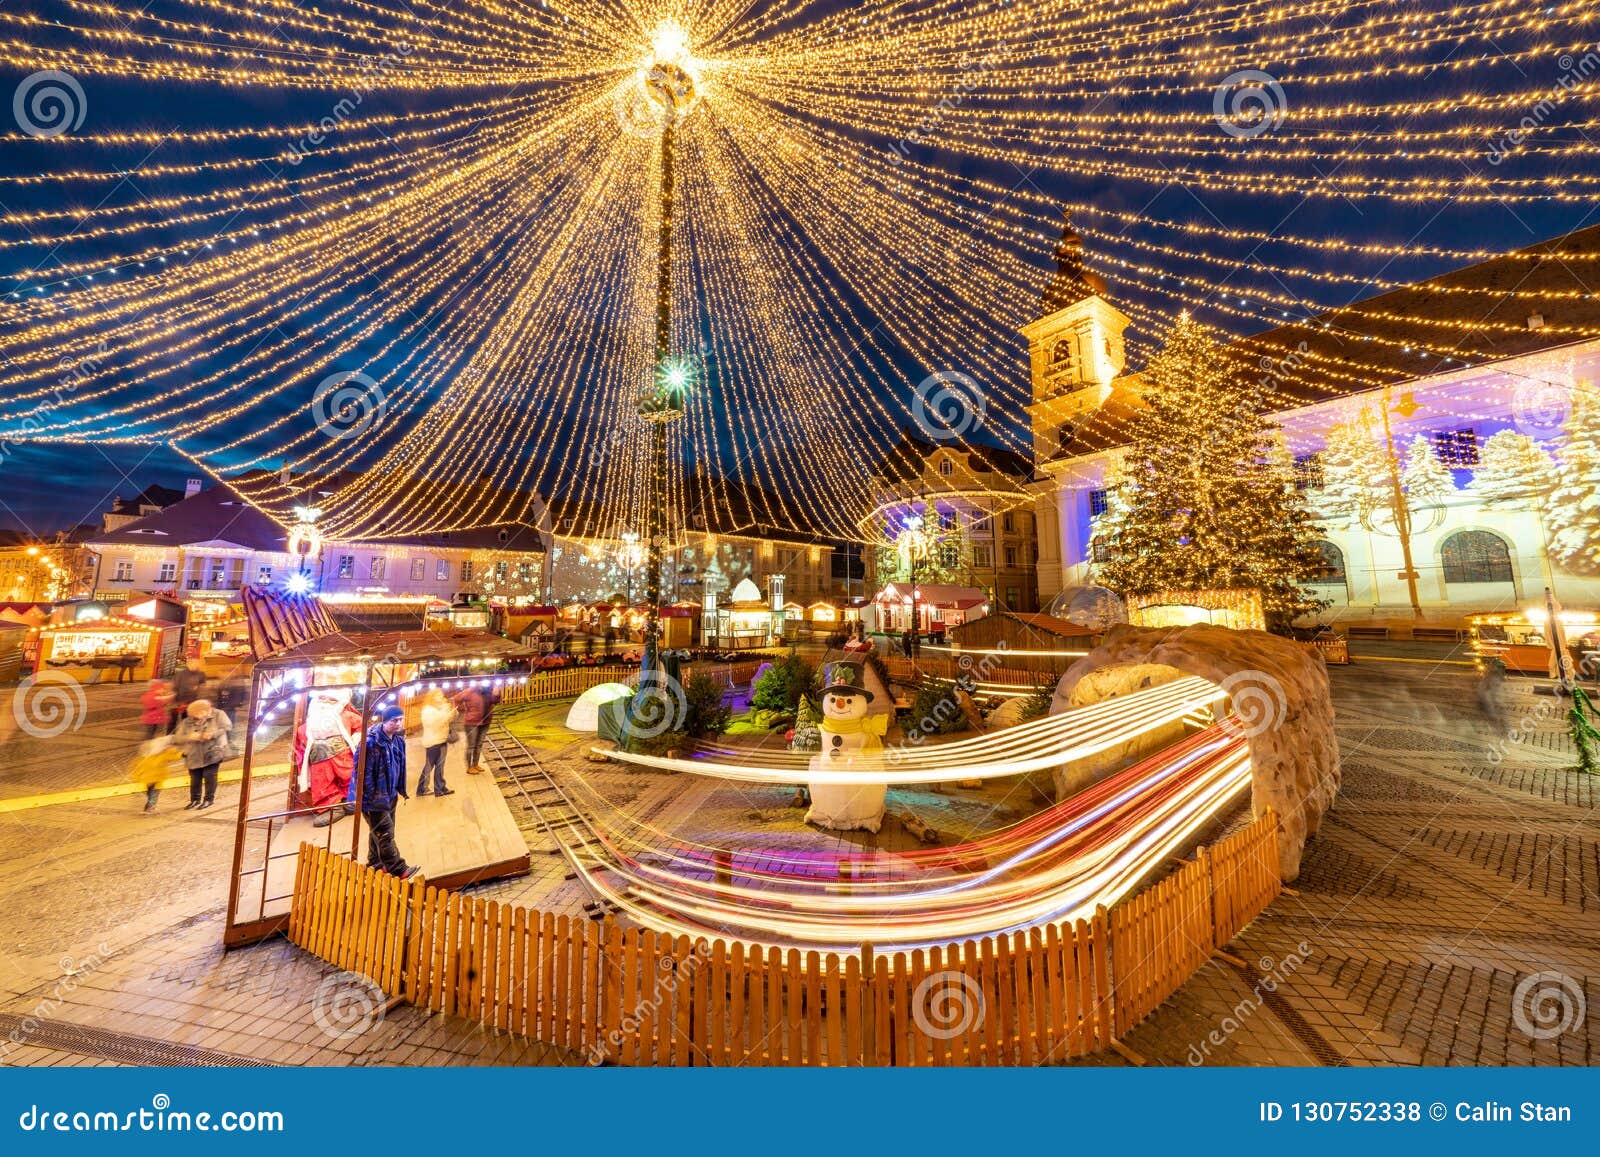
(168, 573)
(946, 467)
(376, 568)
(1476, 556)
(1008, 522)
(419, 569)
(1013, 597)
(1011, 556)
(1332, 569)
(1456, 448)
(982, 557)
(525, 572)
(1099, 551)
(442, 573)
(263, 576)
(124, 571)
(347, 566)
(1308, 472)
(219, 576)
(984, 526)
(466, 570)
(1099, 502)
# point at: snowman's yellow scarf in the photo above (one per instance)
(874, 727)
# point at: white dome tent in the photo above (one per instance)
(585, 712)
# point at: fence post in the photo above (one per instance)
(869, 1006)
(1209, 882)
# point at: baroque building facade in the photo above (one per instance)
(1444, 486)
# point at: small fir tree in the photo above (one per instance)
(1202, 503)
(1572, 508)
(1425, 480)
(1512, 466)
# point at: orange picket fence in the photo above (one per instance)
(637, 997)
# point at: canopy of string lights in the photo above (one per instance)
(406, 253)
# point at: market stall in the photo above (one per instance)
(1520, 640)
(315, 691)
(109, 648)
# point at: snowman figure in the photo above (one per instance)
(852, 741)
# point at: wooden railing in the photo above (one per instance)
(912, 671)
(638, 997)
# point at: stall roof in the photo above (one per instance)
(939, 595)
(396, 646)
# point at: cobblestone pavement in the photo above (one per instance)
(1448, 912)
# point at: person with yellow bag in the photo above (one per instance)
(158, 760)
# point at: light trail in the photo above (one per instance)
(1059, 865)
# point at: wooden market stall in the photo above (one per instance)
(1025, 641)
(314, 691)
(1520, 640)
(109, 648)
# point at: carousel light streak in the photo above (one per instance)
(1089, 850)
(813, 253)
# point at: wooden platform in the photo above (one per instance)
(461, 839)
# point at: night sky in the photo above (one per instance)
(47, 488)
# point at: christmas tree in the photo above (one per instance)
(1511, 466)
(1425, 479)
(1572, 510)
(1206, 497)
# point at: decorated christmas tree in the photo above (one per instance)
(1512, 466)
(1204, 501)
(1572, 510)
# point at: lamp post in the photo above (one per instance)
(670, 86)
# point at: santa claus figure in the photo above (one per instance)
(325, 754)
(852, 741)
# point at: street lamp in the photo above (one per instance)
(672, 87)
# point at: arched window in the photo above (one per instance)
(1476, 556)
(1332, 570)
(1064, 353)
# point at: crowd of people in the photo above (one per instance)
(183, 729)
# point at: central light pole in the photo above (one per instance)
(670, 86)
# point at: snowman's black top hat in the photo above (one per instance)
(846, 679)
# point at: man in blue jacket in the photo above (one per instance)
(382, 785)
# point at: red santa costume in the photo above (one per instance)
(325, 750)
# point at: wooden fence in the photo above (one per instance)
(638, 997)
(913, 671)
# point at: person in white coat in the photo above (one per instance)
(436, 714)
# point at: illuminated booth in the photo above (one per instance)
(1239, 610)
(314, 692)
(109, 648)
(1521, 640)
